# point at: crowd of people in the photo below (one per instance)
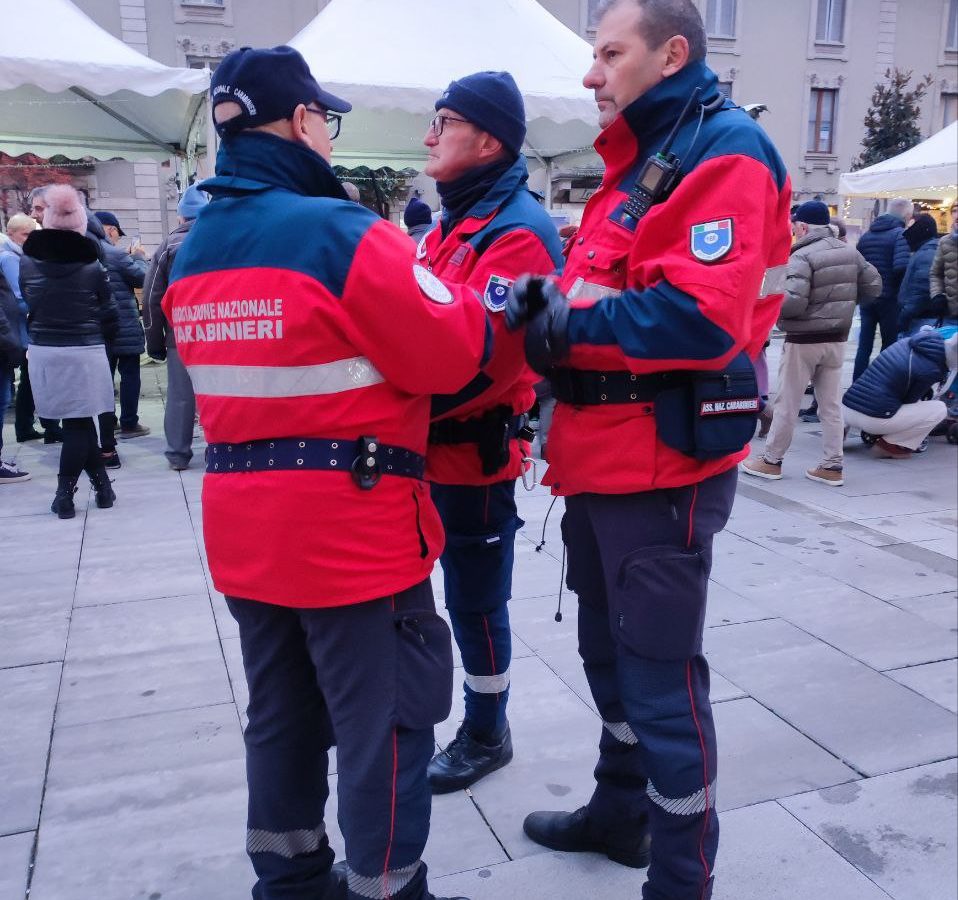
(903, 279)
(364, 400)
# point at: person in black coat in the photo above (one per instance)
(127, 271)
(71, 313)
(889, 397)
(915, 304)
(11, 354)
(885, 248)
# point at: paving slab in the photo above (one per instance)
(942, 609)
(937, 681)
(766, 854)
(165, 793)
(34, 623)
(15, 851)
(149, 656)
(27, 699)
(838, 702)
(761, 757)
(546, 876)
(898, 829)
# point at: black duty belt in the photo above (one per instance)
(472, 431)
(587, 388)
(365, 459)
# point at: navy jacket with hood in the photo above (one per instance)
(885, 248)
(902, 374)
(126, 272)
(914, 297)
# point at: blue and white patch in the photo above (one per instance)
(431, 286)
(497, 290)
(710, 241)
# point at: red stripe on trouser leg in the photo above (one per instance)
(492, 652)
(695, 493)
(392, 817)
(705, 778)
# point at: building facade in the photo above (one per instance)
(813, 63)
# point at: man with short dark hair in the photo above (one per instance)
(37, 203)
(669, 291)
(491, 230)
(313, 361)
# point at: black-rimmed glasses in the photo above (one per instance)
(333, 121)
(438, 123)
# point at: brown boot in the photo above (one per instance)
(885, 450)
(831, 477)
(762, 468)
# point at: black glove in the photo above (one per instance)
(547, 331)
(524, 301)
(939, 305)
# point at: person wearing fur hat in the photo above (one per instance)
(492, 230)
(71, 314)
(180, 411)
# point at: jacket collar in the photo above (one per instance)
(649, 118)
(251, 162)
(815, 233)
(514, 177)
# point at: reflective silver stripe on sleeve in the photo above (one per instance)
(773, 281)
(488, 684)
(621, 732)
(379, 887)
(692, 805)
(285, 843)
(284, 381)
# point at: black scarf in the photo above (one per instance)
(463, 193)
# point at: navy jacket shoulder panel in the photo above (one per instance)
(521, 211)
(317, 236)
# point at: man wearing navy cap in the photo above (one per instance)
(825, 278)
(314, 339)
(491, 230)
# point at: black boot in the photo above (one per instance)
(102, 487)
(466, 760)
(63, 501)
(575, 833)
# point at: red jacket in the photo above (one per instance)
(505, 234)
(299, 314)
(645, 301)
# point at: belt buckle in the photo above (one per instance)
(365, 469)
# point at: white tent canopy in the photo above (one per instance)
(393, 60)
(69, 87)
(927, 171)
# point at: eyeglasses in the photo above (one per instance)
(439, 123)
(333, 121)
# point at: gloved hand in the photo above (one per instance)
(524, 301)
(939, 305)
(547, 331)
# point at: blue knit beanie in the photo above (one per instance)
(416, 213)
(491, 101)
(192, 201)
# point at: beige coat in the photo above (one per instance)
(944, 272)
(826, 278)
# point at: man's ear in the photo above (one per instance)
(676, 55)
(489, 147)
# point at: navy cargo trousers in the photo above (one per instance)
(372, 678)
(480, 524)
(640, 565)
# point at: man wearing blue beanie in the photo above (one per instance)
(491, 230)
(180, 411)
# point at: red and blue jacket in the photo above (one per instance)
(503, 235)
(299, 314)
(695, 283)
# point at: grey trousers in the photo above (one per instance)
(180, 410)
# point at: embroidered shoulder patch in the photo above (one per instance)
(431, 286)
(497, 290)
(710, 241)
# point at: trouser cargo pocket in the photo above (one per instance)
(424, 669)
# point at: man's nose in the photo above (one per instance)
(593, 78)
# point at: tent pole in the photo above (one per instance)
(99, 104)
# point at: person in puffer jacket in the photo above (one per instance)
(916, 307)
(943, 278)
(887, 400)
(885, 248)
(824, 281)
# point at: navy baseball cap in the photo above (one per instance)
(107, 218)
(812, 212)
(268, 85)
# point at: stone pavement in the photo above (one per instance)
(832, 633)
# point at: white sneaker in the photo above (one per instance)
(9, 474)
